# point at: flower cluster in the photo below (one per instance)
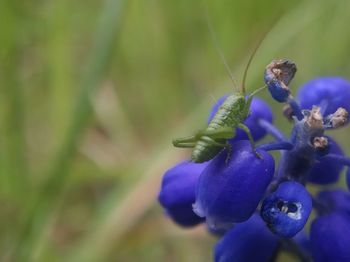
(258, 206)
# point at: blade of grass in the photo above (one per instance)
(14, 174)
(60, 65)
(43, 204)
(13, 169)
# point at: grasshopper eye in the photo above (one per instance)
(277, 76)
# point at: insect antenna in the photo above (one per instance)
(261, 40)
(257, 91)
(218, 49)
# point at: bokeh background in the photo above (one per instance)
(93, 91)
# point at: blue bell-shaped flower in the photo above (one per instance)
(328, 92)
(250, 241)
(177, 193)
(230, 188)
(336, 200)
(326, 171)
(287, 210)
(330, 238)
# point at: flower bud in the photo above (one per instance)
(320, 144)
(287, 210)
(330, 238)
(230, 188)
(334, 201)
(303, 241)
(338, 119)
(326, 171)
(328, 92)
(248, 241)
(177, 192)
(277, 76)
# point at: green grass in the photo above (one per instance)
(92, 92)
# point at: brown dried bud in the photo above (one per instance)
(320, 143)
(315, 119)
(339, 118)
(282, 69)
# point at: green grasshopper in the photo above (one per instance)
(209, 142)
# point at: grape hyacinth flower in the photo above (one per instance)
(251, 235)
(330, 201)
(177, 192)
(330, 238)
(258, 210)
(330, 93)
(247, 174)
(286, 210)
(326, 171)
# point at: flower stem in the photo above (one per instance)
(343, 160)
(296, 108)
(280, 145)
(272, 130)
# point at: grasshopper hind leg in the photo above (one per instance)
(251, 139)
(185, 145)
(185, 142)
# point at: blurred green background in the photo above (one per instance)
(93, 91)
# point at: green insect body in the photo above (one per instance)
(208, 143)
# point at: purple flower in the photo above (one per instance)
(287, 210)
(303, 242)
(328, 92)
(326, 171)
(177, 192)
(330, 238)
(230, 188)
(333, 201)
(248, 241)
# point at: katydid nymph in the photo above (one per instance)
(209, 142)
